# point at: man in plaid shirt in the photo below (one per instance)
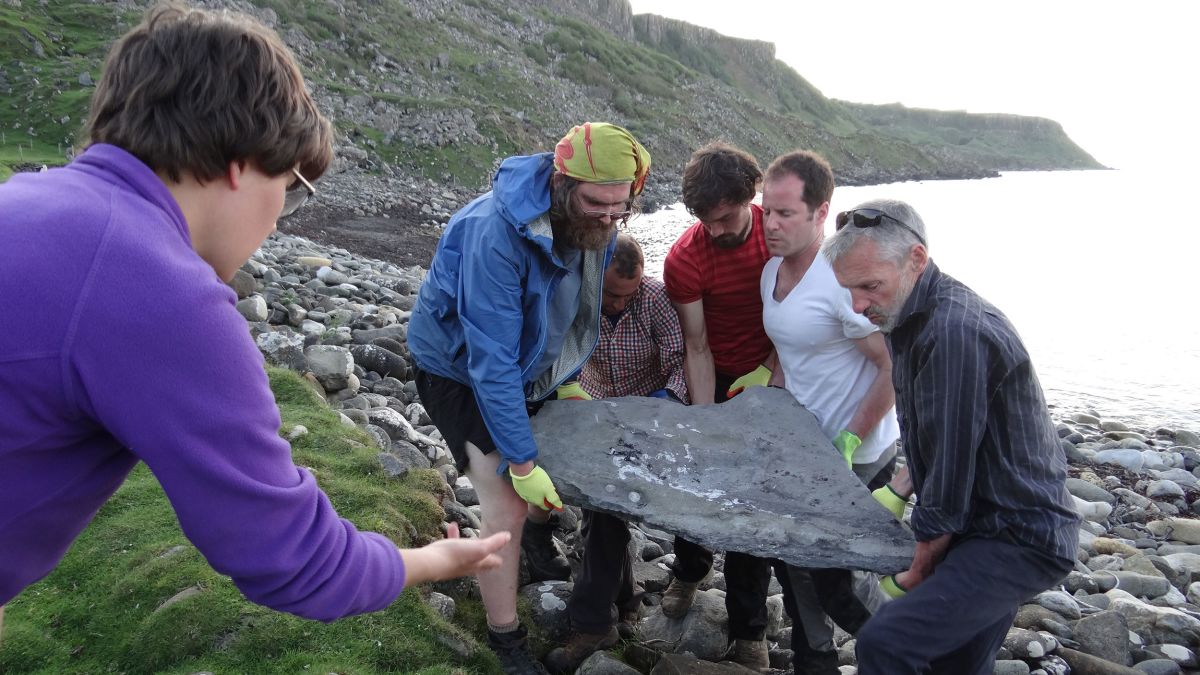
(640, 353)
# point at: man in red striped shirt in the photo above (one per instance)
(712, 275)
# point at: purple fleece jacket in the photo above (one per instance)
(120, 344)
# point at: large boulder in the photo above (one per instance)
(755, 474)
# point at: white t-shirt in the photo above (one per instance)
(814, 329)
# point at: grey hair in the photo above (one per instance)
(894, 242)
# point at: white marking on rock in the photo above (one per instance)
(551, 601)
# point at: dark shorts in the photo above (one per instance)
(452, 407)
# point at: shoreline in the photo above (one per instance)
(341, 319)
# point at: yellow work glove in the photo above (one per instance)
(890, 501)
(890, 586)
(571, 391)
(846, 443)
(536, 488)
(755, 378)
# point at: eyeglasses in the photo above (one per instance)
(593, 213)
(297, 194)
(872, 218)
(615, 215)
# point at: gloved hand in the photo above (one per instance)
(571, 391)
(893, 589)
(890, 501)
(536, 488)
(846, 443)
(755, 378)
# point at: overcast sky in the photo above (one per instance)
(1121, 78)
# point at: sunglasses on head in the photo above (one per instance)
(872, 218)
(297, 194)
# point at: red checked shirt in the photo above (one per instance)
(641, 352)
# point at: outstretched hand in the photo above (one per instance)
(452, 557)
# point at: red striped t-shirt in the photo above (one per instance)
(727, 281)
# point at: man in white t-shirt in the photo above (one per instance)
(835, 362)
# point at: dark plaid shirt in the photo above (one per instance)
(640, 352)
(984, 455)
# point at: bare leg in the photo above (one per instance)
(503, 510)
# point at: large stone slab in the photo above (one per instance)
(754, 474)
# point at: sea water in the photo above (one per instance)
(1096, 269)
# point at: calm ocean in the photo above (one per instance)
(1096, 269)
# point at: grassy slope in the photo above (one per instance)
(44, 51)
(96, 611)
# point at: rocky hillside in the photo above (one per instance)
(429, 94)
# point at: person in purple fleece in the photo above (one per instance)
(122, 343)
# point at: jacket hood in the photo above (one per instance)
(521, 187)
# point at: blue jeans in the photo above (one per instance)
(956, 620)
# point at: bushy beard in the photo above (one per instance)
(583, 234)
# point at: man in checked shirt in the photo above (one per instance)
(640, 353)
(993, 521)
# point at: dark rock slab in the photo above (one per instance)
(754, 474)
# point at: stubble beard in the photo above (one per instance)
(730, 240)
(890, 314)
(734, 239)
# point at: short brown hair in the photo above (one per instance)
(719, 174)
(810, 168)
(191, 91)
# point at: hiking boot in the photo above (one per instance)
(512, 649)
(677, 599)
(543, 558)
(749, 653)
(579, 646)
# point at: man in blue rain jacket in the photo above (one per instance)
(510, 310)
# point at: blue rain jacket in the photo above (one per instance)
(481, 315)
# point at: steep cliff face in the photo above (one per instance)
(749, 66)
(612, 15)
(668, 34)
